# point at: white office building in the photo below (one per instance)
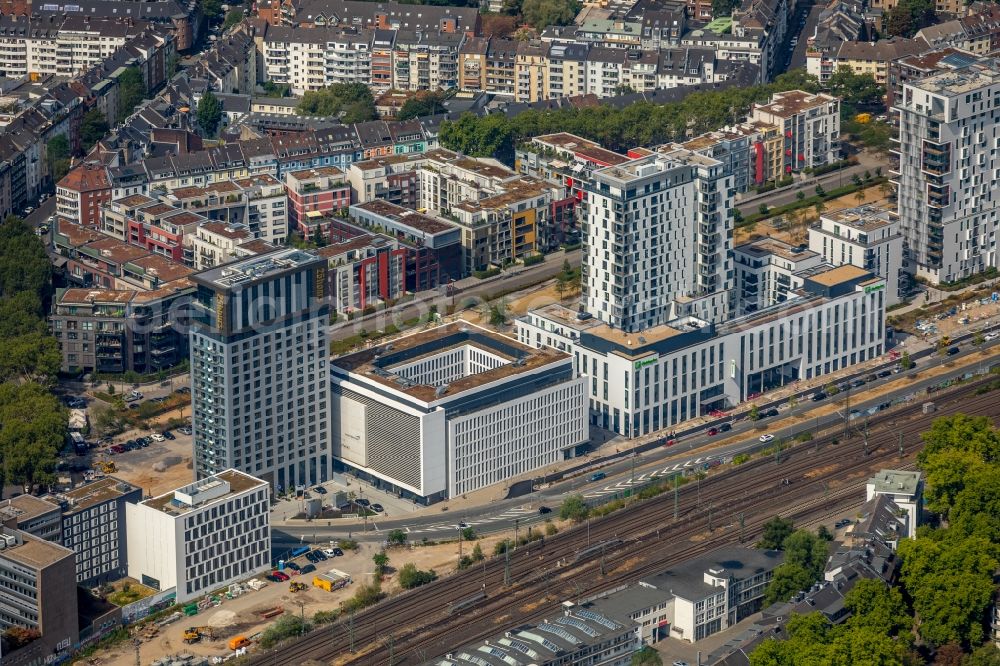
(657, 241)
(202, 537)
(949, 134)
(867, 237)
(768, 270)
(638, 383)
(454, 409)
(259, 357)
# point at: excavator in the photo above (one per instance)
(195, 634)
(108, 467)
(296, 586)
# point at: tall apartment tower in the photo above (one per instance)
(949, 135)
(259, 364)
(658, 241)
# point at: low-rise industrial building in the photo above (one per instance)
(714, 592)
(201, 537)
(454, 409)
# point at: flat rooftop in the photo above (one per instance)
(375, 363)
(657, 163)
(238, 482)
(34, 552)
(24, 507)
(773, 246)
(256, 268)
(794, 102)
(96, 296)
(584, 148)
(862, 218)
(839, 275)
(687, 580)
(985, 72)
(567, 317)
(898, 482)
(94, 493)
(407, 217)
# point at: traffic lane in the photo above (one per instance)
(799, 53)
(828, 181)
(512, 281)
(41, 214)
(620, 472)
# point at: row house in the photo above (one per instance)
(488, 64)
(392, 179)
(122, 330)
(390, 15)
(447, 178)
(422, 61)
(81, 192)
(860, 57)
(363, 272)
(431, 246)
(977, 33)
(62, 45)
(160, 228)
(180, 19)
(314, 195)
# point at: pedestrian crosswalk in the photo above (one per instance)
(509, 514)
(646, 477)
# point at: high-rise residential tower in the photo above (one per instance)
(949, 136)
(259, 363)
(658, 240)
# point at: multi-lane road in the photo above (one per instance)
(726, 507)
(623, 472)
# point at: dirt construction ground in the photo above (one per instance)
(240, 616)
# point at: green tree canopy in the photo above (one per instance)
(644, 123)
(57, 154)
(131, 92)
(960, 432)
(209, 113)
(233, 16)
(352, 102)
(876, 606)
(647, 656)
(410, 576)
(776, 531)
(858, 89)
(574, 508)
(540, 14)
(93, 127)
(907, 17)
(426, 104)
(32, 429)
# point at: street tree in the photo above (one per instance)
(574, 508)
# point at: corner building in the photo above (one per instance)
(259, 363)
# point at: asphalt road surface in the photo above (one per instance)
(501, 515)
(507, 282)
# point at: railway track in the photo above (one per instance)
(811, 481)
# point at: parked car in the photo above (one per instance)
(337, 552)
(320, 490)
(952, 351)
(712, 431)
(843, 522)
(280, 575)
(377, 508)
(725, 427)
(329, 552)
(769, 413)
(766, 437)
(311, 556)
(292, 565)
(183, 389)
(272, 578)
(885, 373)
(363, 502)
(307, 569)
(819, 395)
(157, 437)
(857, 383)
(319, 555)
(168, 435)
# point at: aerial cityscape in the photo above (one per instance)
(500, 332)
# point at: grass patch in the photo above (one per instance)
(129, 593)
(809, 202)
